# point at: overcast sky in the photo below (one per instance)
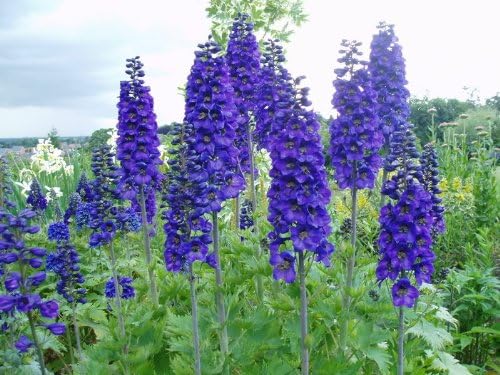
(61, 61)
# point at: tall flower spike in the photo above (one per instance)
(273, 92)
(211, 111)
(137, 143)
(388, 75)
(65, 264)
(355, 137)
(36, 199)
(405, 239)
(187, 231)
(430, 179)
(22, 276)
(299, 190)
(243, 60)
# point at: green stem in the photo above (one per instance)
(219, 296)
(39, 351)
(118, 299)
(77, 332)
(147, 248)
(70, 346)
(237, 212)
(194, 314)
(303, 316)
(401, 339)
(350, 266)
(253, 198)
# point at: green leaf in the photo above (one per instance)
(446, 362)
(436, 337)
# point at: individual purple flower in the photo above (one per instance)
(49, 309)
(355, 135)
(243, 60)
(283, 266)
(137, 143)
(36, 199)
(430, 179)
(299, 189)
(388, 77)
(127, 290)
(58, 232)
(404, 294)
(57, 329)
(23, 344)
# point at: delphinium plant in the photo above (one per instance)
(388, 78)
(21, 265)
(103, 215)
(36, 200)
(355, 142)
(211, 111)
(430, 179)
(299, 189)
(243, 60)
(65, 263)
(187, 231)
(137, 151)
(405, 241)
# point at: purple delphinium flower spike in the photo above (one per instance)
(299, 189)
(243, 60)
(186, 229)
(211, 111)
(65, 263)
(137, 143)
(355, 135)
(406, 222)
(36, 199)
(21, 295)
(388, 76)
(430, 179)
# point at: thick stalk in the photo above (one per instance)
(253, 198)
(70, 346)
(118, 300)
(303, 316)
(194, 314)
(350, 265)
(38, 348)
(147, 248)
(219, 296)
(77, 332)
(401, 339)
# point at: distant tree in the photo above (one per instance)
(165, 129)
(54, 138)
(494, 102)
(98, 138)
(447, 110)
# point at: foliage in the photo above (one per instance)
(98, 138)
(271, 18)
(447, 110)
